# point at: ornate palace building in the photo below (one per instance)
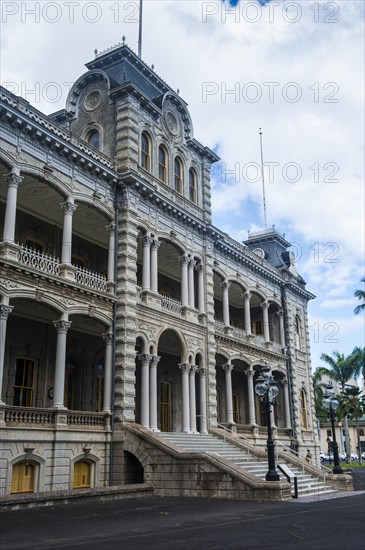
(124, 312)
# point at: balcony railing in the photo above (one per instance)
(27, 416)
(37, 260)
(91, 279)
(171, 305)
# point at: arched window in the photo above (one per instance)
(178, 175)
(22, 478)
(162, 163)
(298, 333)
(303, 408)
(146, 151)
(93, 139)
(82, 474)
(192, 186)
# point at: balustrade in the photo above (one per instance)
(171, 305)
(39, 261)
(91, 279)
(34, 416)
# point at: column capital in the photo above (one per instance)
(280, 313)
(227, 367)
(108, 337)
(62, 326)
(13, 179)
(144, 358)
(284, 381)
(249, 373)
(264, 304)
(68, 206)
(202, 371)
(193, 370)
(146, 240)
(226, 284)
(5, 311)
(199, 268)
(155, 360)
(155, 244)
(192, 263)
(110, 227)
(184, 367)
(247, 295)
(184, 259)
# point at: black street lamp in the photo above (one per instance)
(330, 403)
(267, 391)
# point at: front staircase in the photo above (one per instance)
(308, 484)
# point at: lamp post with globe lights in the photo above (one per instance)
(330, 403)
(267, 390)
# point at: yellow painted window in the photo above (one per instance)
(162, 164)
(165, 389)
(82, 475)
(303, 406)
(146, 152)
(192, 186)
(22, 478)
(24, 382)
(178, 176)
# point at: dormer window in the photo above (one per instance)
(178, 175)
(93, 139)
(162, 163)
(192, 185)
(146, 151)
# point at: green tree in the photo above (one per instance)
(359, 358)
(352, 405)
(319, 389)
(360, 295)
(341, 369)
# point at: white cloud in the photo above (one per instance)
(324, 60)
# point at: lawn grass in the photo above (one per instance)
(352, 465)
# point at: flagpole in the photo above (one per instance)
(263, 180)
(140, 30)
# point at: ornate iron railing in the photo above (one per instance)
(37, 260)
(91, 279)
(171, 305)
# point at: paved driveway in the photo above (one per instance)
(153, 523)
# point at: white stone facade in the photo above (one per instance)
(120, 301)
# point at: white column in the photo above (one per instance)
(265, 314)
(251, 398)
(286, 404)
(225, 288)
(61, 327)
(5, 311)
(203, 400)
(13, 180)
(108, 338)
(111, 252)
(281, 327)
(145, 389)
(69, 208)
(185, 368)
(192, 394)
(146, 272)
(154, 265)
(247, 297)
(184, 280)
(191, 290)
(201, 305)
(228, 371)
(153, 393)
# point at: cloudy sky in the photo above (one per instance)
(295, 69)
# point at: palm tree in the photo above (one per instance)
(360, 295)
(319, 389)
(359, 354)
(341, 369)
(352, 405)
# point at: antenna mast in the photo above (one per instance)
(140, 30)
(263, 180)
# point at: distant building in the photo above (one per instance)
(121, 304)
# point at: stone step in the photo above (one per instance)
(307, 485)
